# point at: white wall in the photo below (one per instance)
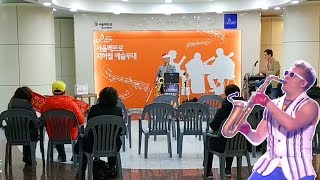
(249, 23)
(65, 56)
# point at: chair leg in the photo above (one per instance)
(51, 153)
(155, 137)
(90, 166)
(10, 156)
(169, 144)
(42, 150)
(6, 158)
(180, 144)
(48, 153)
(254, 151)
(123, 139)
(119, 167)
(222, 167)
(74, 156)
(205, 163)
(130, 142)
(140, 139)
(146, 142)
(80, 162)
(249, 163)
(33, 155)
(239, 166)
(174, 131)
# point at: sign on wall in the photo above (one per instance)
(230, 21)
(128, 61)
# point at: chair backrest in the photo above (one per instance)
(213, 101)
(169, 99)
(105, 129)
(60, 123)
(159, 117)
(257, 111)
(124, 111)
(236, 145)
(316, 140)
(193, 114)
(17, 129)
(253, 121)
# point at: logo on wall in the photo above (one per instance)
(102, 25)
(230, 21)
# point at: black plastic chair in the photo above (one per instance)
(316, 140)
(60, 123)
(105, 130)
(172, 100)
(17, 132)
(159, 121)
(236, 146)
(192, 114)
(127, 120)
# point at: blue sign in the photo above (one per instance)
(230, 21)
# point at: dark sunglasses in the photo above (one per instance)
(292, 74)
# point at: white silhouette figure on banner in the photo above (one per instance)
(173, 56)
(196, 71)
(222, 68)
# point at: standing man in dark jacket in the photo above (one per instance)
(219, 144)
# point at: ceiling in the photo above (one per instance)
(160, 7)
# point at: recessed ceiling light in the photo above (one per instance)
(219, 11)
(294, 2)
(54, 9)
(117, 12)
(47, 4)
(168, 1)
(265, 8)
(125, 0)
(73, 10)
(277, 8)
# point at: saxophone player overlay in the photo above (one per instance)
(288, 124)
(165, 68)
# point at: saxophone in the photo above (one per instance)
(160, 80)
(242, 109)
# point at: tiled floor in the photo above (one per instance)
(158, 165)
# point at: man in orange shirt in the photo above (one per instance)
(60, 101)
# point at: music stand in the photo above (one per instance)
(171, 78)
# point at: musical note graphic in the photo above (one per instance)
(107, 73)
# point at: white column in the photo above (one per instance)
(301, 35)
(27, 51)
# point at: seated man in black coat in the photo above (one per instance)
(314, 91)
(218, 144)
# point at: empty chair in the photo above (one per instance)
(172, 100)
(105, 130)
(60, 123)
(253, 121)
(159, 121)
(17, 132)
(192, 114)
(236, 146)
(127, 120)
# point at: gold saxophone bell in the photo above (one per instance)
(159, 84)
(242, 109)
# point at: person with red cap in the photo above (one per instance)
(165, 68)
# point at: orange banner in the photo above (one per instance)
(38, 100)
(207, 61)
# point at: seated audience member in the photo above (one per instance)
(22, 99)
(314, 91)
(108, 99)
(218, 144)
(60, 101)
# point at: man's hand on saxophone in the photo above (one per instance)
(261, 99)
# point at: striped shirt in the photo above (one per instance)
(292, 149)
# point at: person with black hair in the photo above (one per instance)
(22, 99)
(107, 105)
(219, 144)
